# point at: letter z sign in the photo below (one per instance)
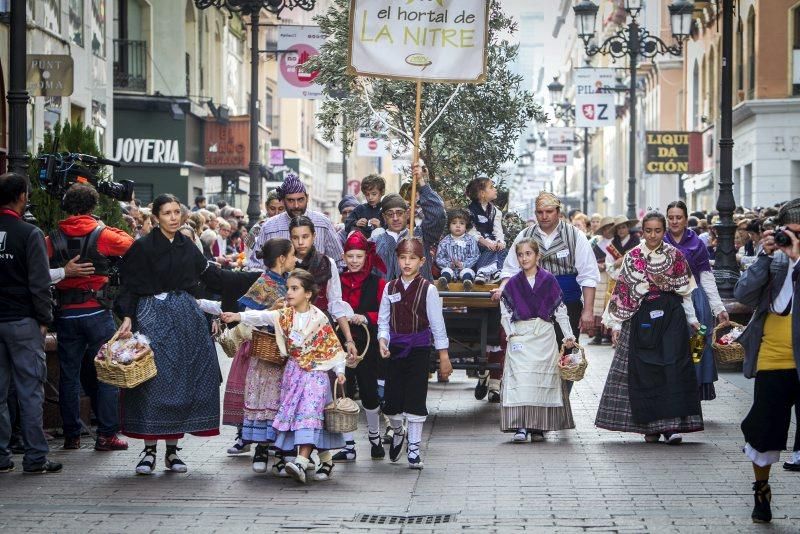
(600, 112)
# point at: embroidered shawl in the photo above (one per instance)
(539, 301)
(320, 349)
(645, 271)
(269, 287)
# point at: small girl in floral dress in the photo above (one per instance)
(305, 336)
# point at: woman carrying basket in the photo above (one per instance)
(534, 397)
(304, 334)
(262, 381)
(707, 303)
(651, 387)
(158, 274)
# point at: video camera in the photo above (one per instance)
(59, 170)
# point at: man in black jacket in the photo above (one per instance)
(25, 313)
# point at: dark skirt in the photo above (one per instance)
(614, 412)
(766, 427)
(184, 396)
(707, 368)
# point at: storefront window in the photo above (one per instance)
(99, 28)
(76, 21)
(52, 112)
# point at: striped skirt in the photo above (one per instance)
(513, 418)
(614, 412)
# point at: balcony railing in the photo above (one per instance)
(130, 65)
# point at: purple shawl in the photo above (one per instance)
(694, 250)
(539, 301)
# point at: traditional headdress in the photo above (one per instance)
(547, 200)
(410, 245)
(357, 241)
(291, 185)
(348, 201)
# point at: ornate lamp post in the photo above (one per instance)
(633, 42)
(252, 8)
(17, 93)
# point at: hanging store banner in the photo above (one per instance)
(50, 75)
(371, 145)
(595, 101)
(560, 143)
(434, 40)
(674, 152)
(298, 44)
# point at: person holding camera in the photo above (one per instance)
(84, 321)
(25, 312)
(772, 349)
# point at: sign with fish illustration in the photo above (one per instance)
(429, 40)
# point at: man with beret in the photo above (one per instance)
(295, 199)
(396, 215)
(772, 350)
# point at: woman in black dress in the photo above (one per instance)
(159, 274)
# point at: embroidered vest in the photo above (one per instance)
(559, 259)
(409, 314)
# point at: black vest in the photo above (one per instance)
(67, 247)
(16, 301)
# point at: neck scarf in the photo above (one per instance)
(648, 271)
(537, 302)
(319, 349)
(269, 287)
(318, 265)
(357, 241)
(694, 250)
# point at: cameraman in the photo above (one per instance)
(772, 348)
(83, 318)
(25, 312)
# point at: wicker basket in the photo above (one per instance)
(363, 352)
(573, 373)
(265, 347)
(342, 414)
(733, 353)
(225, 338)
(127, 376)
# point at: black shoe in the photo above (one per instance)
(494, 396)
(377, 452)
(396, 451)
(148, 462)
(7, 468)
(347, 454)
(794, 463)
(42, 469)
(172, 461)
(598, 340)
(762, 496)
(482, 388)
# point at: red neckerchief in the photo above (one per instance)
(6, 211)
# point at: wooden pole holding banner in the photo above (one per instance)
(415, 161)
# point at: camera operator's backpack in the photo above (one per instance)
(67, 247)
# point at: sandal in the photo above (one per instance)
(172, 461)
(148, 462)
(521, 436)
(324, 471)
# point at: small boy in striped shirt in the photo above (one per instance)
(458, 252)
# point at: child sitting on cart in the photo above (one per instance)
(458, 252)
(410, 314)
(487, 227)
(534, 397)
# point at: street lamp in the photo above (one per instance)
(633, 42)
(252, 8)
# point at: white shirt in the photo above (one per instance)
(497, 228)
(562, 317)
(433, 307)
(57, 275)
(784, 297)
(585, 262)
(336, 306)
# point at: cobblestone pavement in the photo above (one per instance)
(578, 481)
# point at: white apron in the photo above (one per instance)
(531, 375)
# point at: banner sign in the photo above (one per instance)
(674, 152)
(436, 40)
(299, 43)
(49, 75)
(559, 146)
(371, 145)
(595, 102)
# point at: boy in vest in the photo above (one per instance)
(410, 314)
(487, 228)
